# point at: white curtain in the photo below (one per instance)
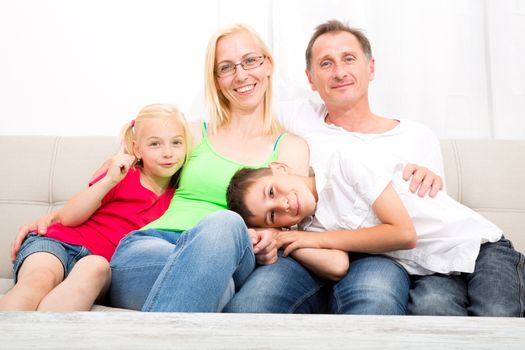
(456, 65)
(84, 67)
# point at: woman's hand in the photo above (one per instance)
(38, 226)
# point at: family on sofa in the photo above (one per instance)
(190, 254)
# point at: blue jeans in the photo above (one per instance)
(192, 271)
(374, 285)
(495, 288)
(68, 254)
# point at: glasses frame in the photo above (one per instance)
(242, 64)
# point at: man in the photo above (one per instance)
(339, 67)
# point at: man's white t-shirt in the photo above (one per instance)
(409, 141)
(449, 234)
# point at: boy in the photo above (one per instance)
(360, 203)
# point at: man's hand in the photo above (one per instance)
(423, 179)
(264, 245)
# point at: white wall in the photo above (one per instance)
(84, 67)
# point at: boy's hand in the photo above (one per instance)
(39, 226)
(423, 179)
(293, 240)
(264, 245)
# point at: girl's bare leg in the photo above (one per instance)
(89, 279)
(38, 275)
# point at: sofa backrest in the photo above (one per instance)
(39, 174)
(488, 176)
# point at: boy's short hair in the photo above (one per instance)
(240, 183)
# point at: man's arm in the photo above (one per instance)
(425, 171)
(422, 180)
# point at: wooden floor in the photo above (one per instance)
(134, 330)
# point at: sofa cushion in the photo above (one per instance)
(39, 174)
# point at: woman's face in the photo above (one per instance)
(245, 89)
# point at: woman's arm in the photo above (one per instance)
(396, 231)
(82, 205)
(295, 153)
(196, 132)
(39, 226)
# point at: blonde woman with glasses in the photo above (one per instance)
(197, 254)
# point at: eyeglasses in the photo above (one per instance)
(225, 69)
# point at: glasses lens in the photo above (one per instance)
(251, 62)
(225, 69)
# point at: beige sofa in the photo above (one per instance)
(39, 173)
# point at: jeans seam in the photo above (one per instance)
(407, 277)
(180, 244)
(336, 301)
(247, 248)
(135, 267)
(520, 266)
(81, 254)
(306, 296)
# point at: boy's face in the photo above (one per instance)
(279, 200)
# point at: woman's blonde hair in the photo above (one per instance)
(217, 105)
(130, 130)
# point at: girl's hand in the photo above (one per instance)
(38, 226)
(293, 240)
(118, 167)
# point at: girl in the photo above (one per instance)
(66, 268)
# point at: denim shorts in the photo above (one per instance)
(68, 254)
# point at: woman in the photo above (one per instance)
(196, 255)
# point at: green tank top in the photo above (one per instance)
(202, 187)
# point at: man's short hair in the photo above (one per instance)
(334, 26)
(239, 185)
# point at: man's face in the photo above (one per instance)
(339, 70)
(279, 200)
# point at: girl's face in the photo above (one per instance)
(244, 89)
(161, 145)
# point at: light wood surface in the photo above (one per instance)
(135, 330)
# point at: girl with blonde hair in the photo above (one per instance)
(63, 263)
